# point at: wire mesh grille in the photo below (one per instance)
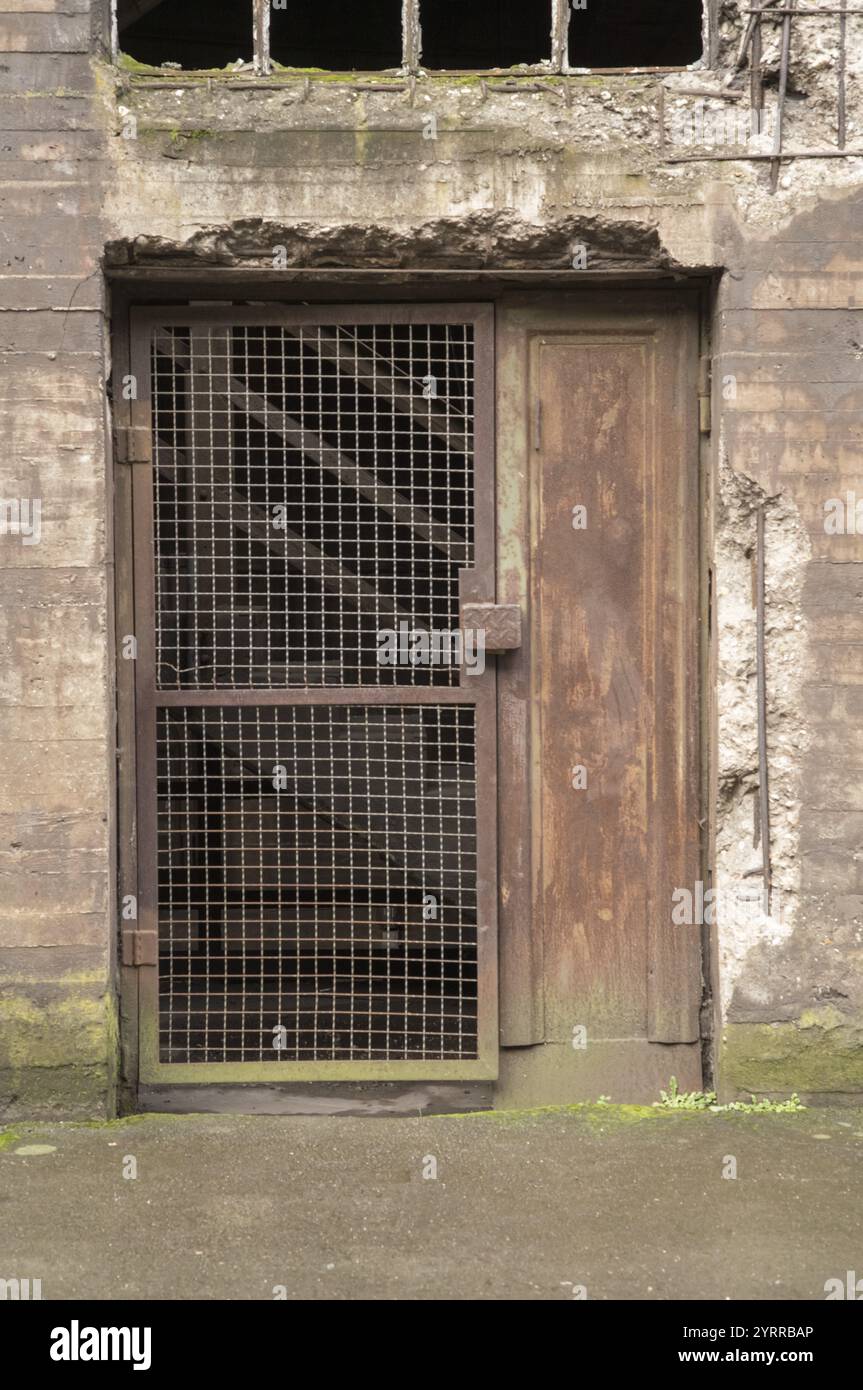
(314, 490)
(317, 883)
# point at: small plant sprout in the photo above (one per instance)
(675, 1099)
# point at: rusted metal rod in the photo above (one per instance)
(780, 105)
(786, 154)
(754, 15)
(843, 29)
(719, 95)
(756, 85)
(803, 14)
(761, 665)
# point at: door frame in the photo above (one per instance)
(140, 935)
(520, 955)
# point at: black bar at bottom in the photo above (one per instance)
(55, 1340)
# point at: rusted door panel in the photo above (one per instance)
(595, 688)
(611, 676)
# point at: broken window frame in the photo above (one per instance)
(557, 64)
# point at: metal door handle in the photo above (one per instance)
(500, 624)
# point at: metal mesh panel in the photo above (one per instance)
(317, 883)
(314, 490)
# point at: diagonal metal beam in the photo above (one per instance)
(449, 542)
(391, 384)
(396, 832)
(299, 553)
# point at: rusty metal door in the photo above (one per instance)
(598, 469)
(316, 801)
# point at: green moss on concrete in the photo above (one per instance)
(58, 1052)
(54, 1032)
(177, 134)
(819, 1054)
(282, 75)
(602, 1115)
(126, 63)
(121, 1122)
(8, 1137)
(325, 75)
(597, 1114)
(112, 1044)
(55, 1093)
(130, 64)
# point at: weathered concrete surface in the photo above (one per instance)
(213, 175)
(219, 176)
(629, 1204)
(57, 1016)
(105, 168)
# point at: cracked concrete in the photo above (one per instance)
(482, 241)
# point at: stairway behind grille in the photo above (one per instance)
(317, 836)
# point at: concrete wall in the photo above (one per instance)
(219, 173)
(56, 703)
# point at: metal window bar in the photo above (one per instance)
(556, 64)
(751, 48)
(261, 21)
(412, 36)
(316, 832)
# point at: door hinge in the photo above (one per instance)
(704, 406)
(131, 444)
(140, 948)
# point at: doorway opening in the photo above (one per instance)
(327, 826)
